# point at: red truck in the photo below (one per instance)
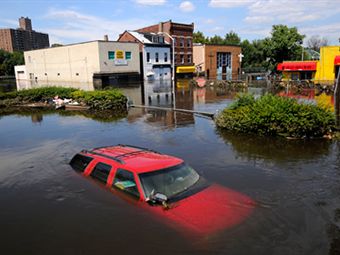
(165, 185)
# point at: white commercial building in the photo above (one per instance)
(87, 65)
(156, 58)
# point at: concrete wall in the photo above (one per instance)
(199, 56)
(72, 63)
(119, 65)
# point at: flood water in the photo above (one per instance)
(47, 208)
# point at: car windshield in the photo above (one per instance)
(169, 181)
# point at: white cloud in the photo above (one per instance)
(229, 3)
(330, 31)
(217, 29)
(73, 26)
(291, 12)
(187, 6)
(150, 2)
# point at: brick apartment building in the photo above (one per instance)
(221, 62)
(23, 38)
(183, 36)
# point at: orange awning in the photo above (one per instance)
(337, 60)
(297, 66)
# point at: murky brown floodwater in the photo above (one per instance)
(47, 208)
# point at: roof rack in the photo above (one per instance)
(104, 155)
(118, 158)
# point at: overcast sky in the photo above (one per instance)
(84, 20)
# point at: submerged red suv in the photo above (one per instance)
(166, 185)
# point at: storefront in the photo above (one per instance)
(323, 71)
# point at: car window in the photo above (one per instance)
(80, 162)
(101, 172)
(125, 181)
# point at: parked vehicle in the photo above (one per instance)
(165, 185)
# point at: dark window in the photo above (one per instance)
(127, 54)
(156, 57)
(111, 55)
(189, 59)
(80, 162)
(181, 42)
(188, 42)
(148, 57)
(101, 172)
(182, 58)
(165, 57)
(125, 181)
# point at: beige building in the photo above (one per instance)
(85, 65)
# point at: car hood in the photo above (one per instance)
(212, 209)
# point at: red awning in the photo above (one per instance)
(297, 66)
(337, 60)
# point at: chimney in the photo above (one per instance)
(106, 38)
(160, 27)
(25, 23)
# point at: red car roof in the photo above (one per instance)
(136, 159)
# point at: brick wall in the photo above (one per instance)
(127, 37)
(211, 59)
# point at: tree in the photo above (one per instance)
(232, 38)
(198, 37)
(315, 42)
(9, 60)
(216, 39)
(284, 44)
(56, 45)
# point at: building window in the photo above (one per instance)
(181, 42)
(156, 57)
(58, 74)
(182, 58)
(111, 55)
(148, 57)
(165, 57)
(189, 59)
(127, 54)
(77, 74)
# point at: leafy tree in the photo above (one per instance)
(232, 38)
(9, 60)
(216, 39)
(315, 42)
(198, 37)
(284, 44)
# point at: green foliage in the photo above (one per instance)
(98, 99)
(198, 37)
(276, 116)
(101, 99)
(38, 94)
(9, 60)
(232, 38)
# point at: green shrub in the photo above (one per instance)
(101, 99)
(98, 99)
(274, 115)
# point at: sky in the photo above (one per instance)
(84, 20)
